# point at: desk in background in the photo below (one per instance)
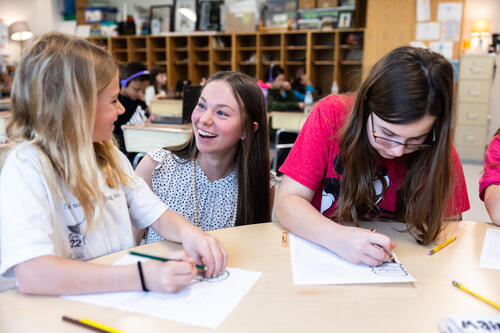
(144, 138)
(4, 115)
(274, 304)
(284, 122)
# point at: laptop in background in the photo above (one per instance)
(175, 111)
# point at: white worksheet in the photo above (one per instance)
(490, 255)
(313, 264)
(469, 324)
(205, 303)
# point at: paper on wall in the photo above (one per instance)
(445, 48)
(423, 10)
(428, 31)
(450, 11)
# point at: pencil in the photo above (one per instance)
(390, 254)
(284, 239)
(91, 325)
(490, 302)
(200, 267)
(440, 246)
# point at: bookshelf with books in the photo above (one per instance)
(325, 55)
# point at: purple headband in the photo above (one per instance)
(131, 77)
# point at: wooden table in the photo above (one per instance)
(144, 138)
(274, 304)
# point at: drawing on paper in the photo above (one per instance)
(390, 269)
(217, 278)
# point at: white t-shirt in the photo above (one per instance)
(33, 223)
(149, 94)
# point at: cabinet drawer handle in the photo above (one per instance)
(469, 138)
(472, 115)
(474, 92)
(476, 69)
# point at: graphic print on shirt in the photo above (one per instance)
(138, 117)
(331, 188)
(76, 241)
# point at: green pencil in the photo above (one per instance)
(200, 267)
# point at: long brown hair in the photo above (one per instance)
(54, 98)
(252, 155)
(404, 86)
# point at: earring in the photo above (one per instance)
(243, 137)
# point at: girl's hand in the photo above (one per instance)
(206, 250)
(361, 246)
(170, 276)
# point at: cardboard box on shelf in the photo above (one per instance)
(240, 23)
(303, 4)
(327, 3)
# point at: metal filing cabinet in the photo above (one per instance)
(474, 88)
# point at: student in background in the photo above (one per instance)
(157, 89)
(387, 154)
(489, 189)
(221, 176)
(67, 194)
(134, 79)
(302, 84)
(4, 74)
(280, 96)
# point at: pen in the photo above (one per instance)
(380, 247)
(91, 325)
(439, 247)
(490, 302)
(200, 267)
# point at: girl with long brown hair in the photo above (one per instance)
(221, 176)
(386, 154)
(67, 194)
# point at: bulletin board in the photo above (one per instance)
(390, 24)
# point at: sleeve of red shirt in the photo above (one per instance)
(491, 175)
(459, 199)
(308, 160)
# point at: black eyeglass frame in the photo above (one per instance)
(408, 146)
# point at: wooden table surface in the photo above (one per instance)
(274, 304)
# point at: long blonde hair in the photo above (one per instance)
(54, 100)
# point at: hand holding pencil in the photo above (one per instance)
(171, 276)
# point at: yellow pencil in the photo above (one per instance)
(490, 302)
(440, 246)
(100, 326)
(284, 239)
(91, 325)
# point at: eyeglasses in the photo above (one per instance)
(409, 146)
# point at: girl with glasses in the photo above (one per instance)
(386, 154)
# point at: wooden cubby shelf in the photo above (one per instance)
(325, 56)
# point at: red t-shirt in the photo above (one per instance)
(491, 175)
(314, 162)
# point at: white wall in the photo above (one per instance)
(481, 9)
(42, 17)
(490, 11)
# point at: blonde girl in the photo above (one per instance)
(68, 195)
